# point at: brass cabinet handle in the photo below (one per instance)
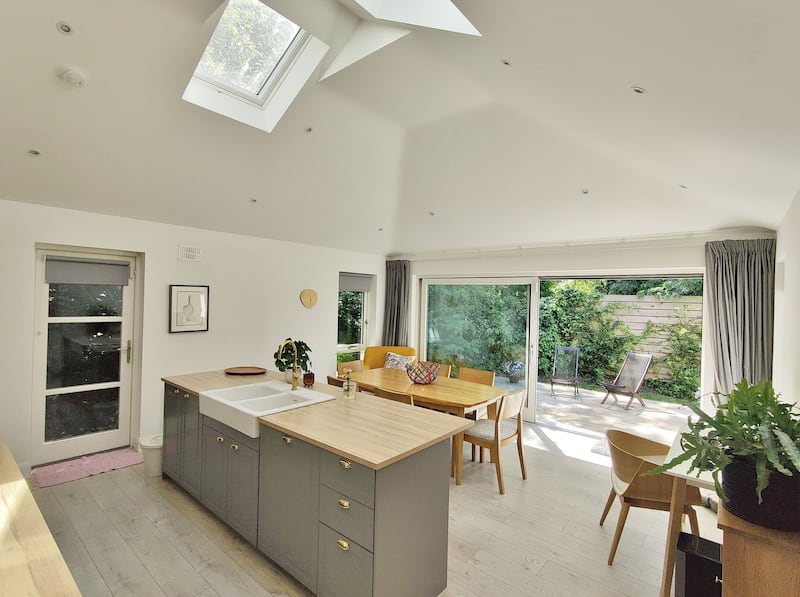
(345, 464)
(187, 396)
(343, 545)
(343, 503)
(234, 447)
(220, 439)
(176, 391)
(287, 440)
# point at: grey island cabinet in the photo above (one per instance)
(352, 495)
(182, 429)
(230, 477)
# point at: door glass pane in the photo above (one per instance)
(82, 353)
(81, 413)
(351, 317)
(481, 326)
(84, 300)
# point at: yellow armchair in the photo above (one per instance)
(375, 356)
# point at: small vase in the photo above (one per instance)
(349, 390)
(308, 379)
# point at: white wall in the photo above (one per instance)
(786, 374)
(253, 303)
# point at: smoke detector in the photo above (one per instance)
(72, 78)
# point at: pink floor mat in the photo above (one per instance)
(85, 466)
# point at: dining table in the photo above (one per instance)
(445, 394)
(681, 477)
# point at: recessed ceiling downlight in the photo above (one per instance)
(505, 61)
(33, 152)
(639, 90)
(64, 27)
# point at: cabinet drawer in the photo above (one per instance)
(350, 478)
(235, 436)
(345, 568)
(347, 516)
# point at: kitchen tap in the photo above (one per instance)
(295, 376)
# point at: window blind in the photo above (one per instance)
(354, 282)
(75, 270)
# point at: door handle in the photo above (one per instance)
(127, 349)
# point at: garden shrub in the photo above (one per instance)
(572, 314)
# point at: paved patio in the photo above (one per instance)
(583, 414)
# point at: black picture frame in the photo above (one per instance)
(188, 308)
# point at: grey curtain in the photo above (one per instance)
(395, 318)
(740, 289)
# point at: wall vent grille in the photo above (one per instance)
(188, 253)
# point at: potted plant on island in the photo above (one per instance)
(285, 359)
(752, 442)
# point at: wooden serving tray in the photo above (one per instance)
(245, 370)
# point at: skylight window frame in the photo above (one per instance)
(273, 80)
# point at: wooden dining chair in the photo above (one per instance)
(493, 434)
(444, 370)
(396, 396)
(352, 365)
(481, 376)
(476, 375)
(654, 492)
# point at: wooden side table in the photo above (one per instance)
(757, 561)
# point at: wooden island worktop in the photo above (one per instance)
(371, 431)
(30, 561)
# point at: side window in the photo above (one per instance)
(354, 292)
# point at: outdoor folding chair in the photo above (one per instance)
(565, 367)
(630, 378)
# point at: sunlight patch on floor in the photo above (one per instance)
(574, 445)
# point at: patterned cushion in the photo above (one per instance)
(423, 372)
(397, 361)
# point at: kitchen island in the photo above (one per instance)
(351, 497)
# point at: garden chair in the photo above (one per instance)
(630, 378)
(565, 368)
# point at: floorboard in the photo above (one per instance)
(123, 533)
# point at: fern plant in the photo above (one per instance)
(753, 425)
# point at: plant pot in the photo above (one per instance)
(308, 379)
(287, 375)
(781, 498)
(514, 378)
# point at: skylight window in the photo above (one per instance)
(247, 49)
(255, 65)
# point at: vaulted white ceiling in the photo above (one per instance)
(554, 147)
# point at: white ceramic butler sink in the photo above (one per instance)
(240, 406)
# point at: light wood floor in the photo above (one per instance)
(123, 533)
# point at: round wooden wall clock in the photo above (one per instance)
(308, 297)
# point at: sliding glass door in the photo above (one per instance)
(485, 323)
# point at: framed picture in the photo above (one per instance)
(188, 308)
